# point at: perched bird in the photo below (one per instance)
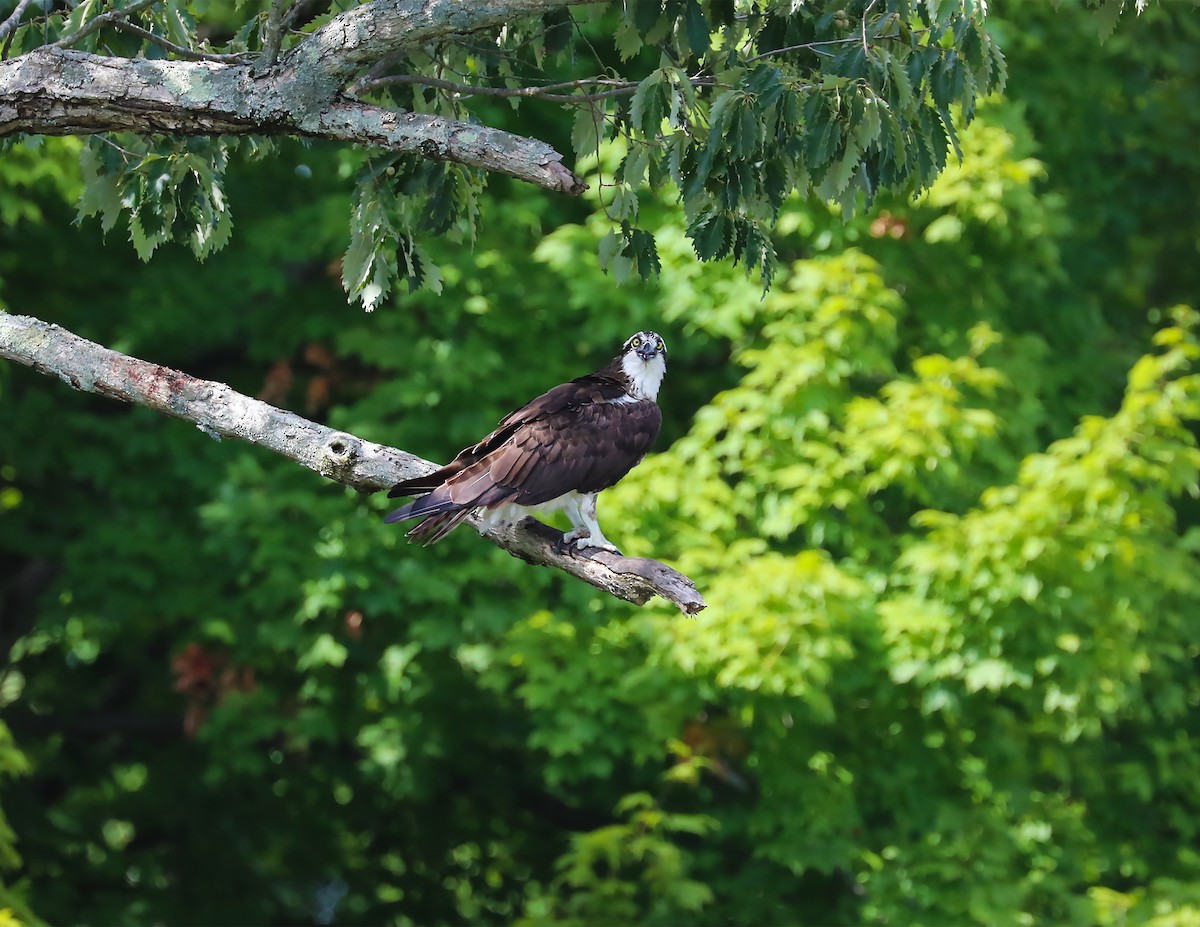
(555, 453)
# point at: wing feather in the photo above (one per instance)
(582, 436)
(584, 450)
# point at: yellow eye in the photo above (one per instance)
(661, 346)
(637, 342)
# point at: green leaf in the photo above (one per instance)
(1107, 15)
(712, 236)
(101, 191)
(746, 132)
(610, 246)
(645, 254)
(696, 28)
(628, 40)
(645, 109)
(901, 83)
(585, 130)
(634, 165)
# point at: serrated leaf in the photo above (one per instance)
(776, 182)
(410, 263)
(838, 178)
(627, 39)
(365, 258)
(901, 83)
(585, 131)
(101, 191)
(620, 268)
(610, 247)
(635, 163)
(719, 113)
(822, 139)
(645, 254)
(999, 67)
(180, 25)
(440, 211)
(624, 204)
(677, 150)
(745, 134)
(712, 236)
(645, 15)
(645, 109)
(696, 28)
(1106, 18)
(869, 124)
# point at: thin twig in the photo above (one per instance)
(622, 88)
(129, 155)
(188, 53)
(809, 46)
(104, 19)
(13, 19)
(866, 13)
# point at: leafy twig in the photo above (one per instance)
(104, 19)
(866, 13)
(621, 88)
(188, 53)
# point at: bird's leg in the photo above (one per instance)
(579, 528)
(587, 531)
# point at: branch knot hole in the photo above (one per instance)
(340, 452)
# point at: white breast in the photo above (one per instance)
(645, 377)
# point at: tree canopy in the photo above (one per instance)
(731, 106)
(936, 483)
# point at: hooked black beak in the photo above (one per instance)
(647, 351)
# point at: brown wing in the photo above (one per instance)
(582, 436)
(583, 449)
(574, 395)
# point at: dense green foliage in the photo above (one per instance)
(937, 485)
(730, 107)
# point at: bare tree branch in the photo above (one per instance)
(221, 412)
(54, 91)
(272, 36)
(356, 39)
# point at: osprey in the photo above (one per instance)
(555, 453)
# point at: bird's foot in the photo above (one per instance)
(573, 543)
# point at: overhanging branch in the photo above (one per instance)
(356, 39)
(56, 91)
(219, 411)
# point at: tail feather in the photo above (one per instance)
(434, 503)
(418, 484)
(437, 526)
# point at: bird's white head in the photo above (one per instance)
(644, 360)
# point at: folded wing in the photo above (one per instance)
(582, 436)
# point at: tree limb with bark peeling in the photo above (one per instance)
(221, 412)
